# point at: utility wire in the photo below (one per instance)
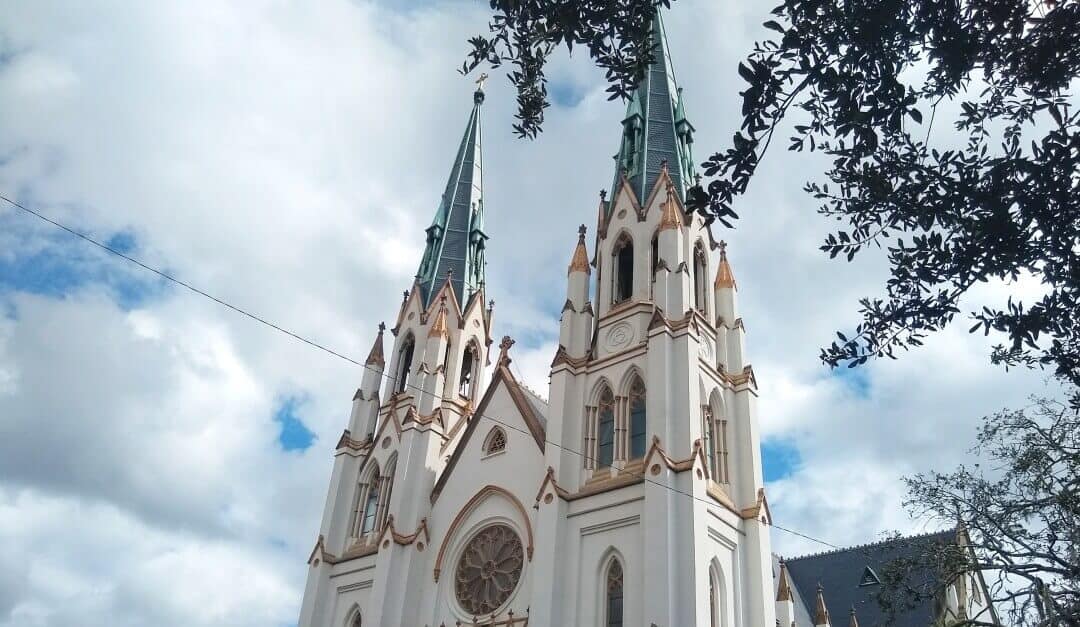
(314, 344)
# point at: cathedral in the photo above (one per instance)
(633, 494)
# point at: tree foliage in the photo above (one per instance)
(862, 81)
(1021, 513)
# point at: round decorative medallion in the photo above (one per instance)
(489, 569)
(385, 543)
(412, 314)
(548, 498)
(655, 469)
(699, 475)
(386, 442)
(705, 350)
(420, 546)
(619, 336)
(622, 214)
(476, 323)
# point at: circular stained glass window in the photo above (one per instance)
(489, 570)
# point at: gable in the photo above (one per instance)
(505, 405)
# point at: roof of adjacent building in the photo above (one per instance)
(851, 579)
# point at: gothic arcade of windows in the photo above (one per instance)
(714, 429)
(372, 501)
(615, 429)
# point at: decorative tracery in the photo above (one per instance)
(637, 418)
(489, 570)
(614, 595)
(495, 442)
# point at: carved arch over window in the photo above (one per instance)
(353, 618)
(495, 442)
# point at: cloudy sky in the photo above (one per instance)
(164, 460)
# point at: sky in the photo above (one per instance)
(157, 449)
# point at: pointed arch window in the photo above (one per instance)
(405, 358)
(469, 360)
(605, 429)
(701, 278)
(637, 418)
(623, 266)
(495, 442)
(716, 618)
(367, 503)
(715, 434)
(613, 595)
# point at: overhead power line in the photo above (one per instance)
(330, 351)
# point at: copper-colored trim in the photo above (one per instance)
(477, 498)
(532, 421)
(346, 441)
(579, 262)
(671, 217)
(401, 539)
(663, 180)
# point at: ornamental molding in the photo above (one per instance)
(486, 492)
(402, 539)
(347, 442)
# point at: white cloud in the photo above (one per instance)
(287, 158)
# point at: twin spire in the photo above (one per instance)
(656, 134)
(655, 129)
(456, 238)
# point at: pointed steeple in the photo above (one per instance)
(783, 590)
(456, 238)
(655, 128)
(375, 357)
(725, 278)
(580, 261)
(821, 613)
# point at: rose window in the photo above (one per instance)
(489, 570)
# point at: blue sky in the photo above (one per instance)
(288, 157)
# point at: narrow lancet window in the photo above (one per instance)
(405, 357)
(701, 279)
(605, 431)
(468, 362)
(624, 270)
(614, 595)
(371, 506)
(637, 419)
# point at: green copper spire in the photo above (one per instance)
(455, 239)
(655, 129)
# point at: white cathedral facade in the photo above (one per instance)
(632, 495)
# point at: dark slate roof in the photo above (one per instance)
(841, 572)
(455, 237)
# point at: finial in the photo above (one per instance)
(405, 296)
(663, 165)
(504, 350)
(853, 622)
(603, 194)
(478, 95)
(783, 589)
(491, 304)
(375, 356)
(439, 326)
(579, 262)
(581, 232)
(723, 248)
